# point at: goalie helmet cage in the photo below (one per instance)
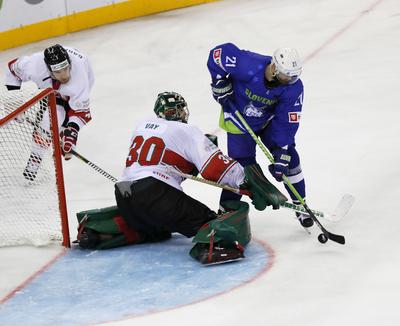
(32, 209)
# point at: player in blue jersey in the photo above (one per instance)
(268, 93)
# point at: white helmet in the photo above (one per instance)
(287, 62)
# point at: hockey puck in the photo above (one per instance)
(322, 238)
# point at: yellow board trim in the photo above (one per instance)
(88, 19)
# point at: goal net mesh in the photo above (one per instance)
(29, 194)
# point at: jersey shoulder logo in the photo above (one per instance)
(294, 117)
(217, 54)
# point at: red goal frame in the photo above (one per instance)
(49, 93)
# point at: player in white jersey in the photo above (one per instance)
(70, 74)
(150, 198)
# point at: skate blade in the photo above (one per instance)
(222, 262)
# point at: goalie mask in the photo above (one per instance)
(171, 106)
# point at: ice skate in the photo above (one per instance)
(305, 220)
(32, 167)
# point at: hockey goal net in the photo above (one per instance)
(32, 197)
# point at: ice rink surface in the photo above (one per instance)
(348, 140)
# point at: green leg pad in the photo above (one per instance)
(229, 227)
(101, 219)
(106, 229)
(225, 236)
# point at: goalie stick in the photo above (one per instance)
(94, 166)
(340, 211)
(325, 235)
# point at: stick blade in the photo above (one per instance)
(336, 238)
(342, 208)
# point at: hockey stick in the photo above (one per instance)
(94, 166)
(239, 191)
(76, 154)
(340, 210)
(325, 235)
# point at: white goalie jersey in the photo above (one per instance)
(158, 144)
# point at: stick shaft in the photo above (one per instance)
(337, 238)
(94, 166)
(294, 207)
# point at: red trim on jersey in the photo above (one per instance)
(11, 69)
(131, 235)
(217, 166)
(226, 171)
(84, 116)
(174, 159)
(209, 159)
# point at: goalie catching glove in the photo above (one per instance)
(263, 192)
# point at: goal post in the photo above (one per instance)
(33, 207)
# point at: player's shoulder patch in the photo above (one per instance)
(217, 57)
(294, 117)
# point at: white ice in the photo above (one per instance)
(349, 142)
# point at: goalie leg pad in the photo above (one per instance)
(223, 239)
(104, 228)
(230, 226)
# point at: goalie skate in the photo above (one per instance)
(221, 255)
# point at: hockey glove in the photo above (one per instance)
(222, 91)
(281, 165)
(69, 137)
(263, 192)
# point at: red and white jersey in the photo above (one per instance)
(76, 92)
(157, 144)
